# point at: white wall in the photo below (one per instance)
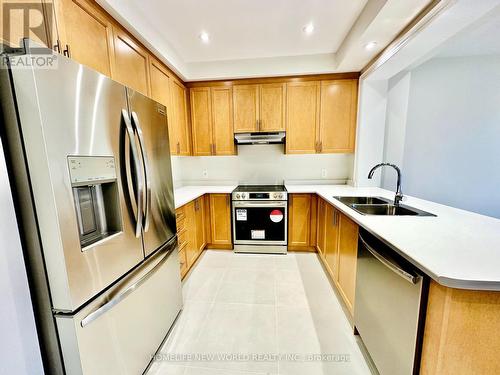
(370, 131)
(261, 164)
(19, 351)
(452, 133)
(395, 127)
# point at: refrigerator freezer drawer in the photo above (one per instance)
(119, 333)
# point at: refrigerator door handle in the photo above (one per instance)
(120, 297)
(137, 201)
(145, 160)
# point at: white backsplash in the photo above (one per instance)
(261, 164)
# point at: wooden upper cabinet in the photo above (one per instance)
(14, 13)
(272, 107)
(338, 115)
(178, 123)
(131, 65)
(246, 108)
(302, 117)
(212, 121)
(201, 121)
(160, 82)
(220, 219)
(88, 33)
(222, 121)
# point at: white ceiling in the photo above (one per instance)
(250, 38)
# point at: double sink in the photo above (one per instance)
(380, 206)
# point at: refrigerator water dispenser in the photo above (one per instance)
(95, 193)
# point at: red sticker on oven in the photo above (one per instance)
(276, 216)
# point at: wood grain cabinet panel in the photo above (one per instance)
(160, 82)
(222, 121)
(461, 332)
(191, 247)
(220, 221)
(178, 123)
(301, 222)
(331, 240)
(201, 121)
(246, 108)
(212, 121)
(302, 117)
(199, 209)
(89, 35)
(321, 227)
(347, 259)
(131, 65)
(338, 116)
(272, 112)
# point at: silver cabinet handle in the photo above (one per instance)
(145, 160)
(394, 267)
(120, 297)
(137, 201)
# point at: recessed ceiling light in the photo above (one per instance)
(205, 38)
(370, 45)
(308, 29)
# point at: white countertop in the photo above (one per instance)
(186, 194)
(456, 248)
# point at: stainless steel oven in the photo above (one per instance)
(260, 217)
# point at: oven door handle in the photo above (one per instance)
(260, 204)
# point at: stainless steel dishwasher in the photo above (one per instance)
(388, 315)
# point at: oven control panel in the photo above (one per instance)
(259, 196)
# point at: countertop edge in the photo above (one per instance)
(450, 282)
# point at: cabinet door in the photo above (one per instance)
(180, 126)
(199, 208)
(272, 107)
(321, 229)
(301, 221)
(348, 252)
(131, 66)
(222, 121)
(201, 121)
(246, 108)
(220, 220)
(191, 247)
(160, 91)
(338, 115)
(15, 13)
(331, 239)
(302, 117)
(88, 33)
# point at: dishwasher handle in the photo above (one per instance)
(392, 265)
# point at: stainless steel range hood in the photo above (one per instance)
(259, 138)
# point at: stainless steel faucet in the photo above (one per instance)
(399, 193)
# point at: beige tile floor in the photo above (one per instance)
(243, 313)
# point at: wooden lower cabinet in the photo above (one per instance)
(337, 245)
(301, 222)
(347, 259)
(220, 221)
(461, 332)
(191, 232)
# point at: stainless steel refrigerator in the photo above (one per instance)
(91, 176)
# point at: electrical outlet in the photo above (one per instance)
(323, 173)
(204, 173)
